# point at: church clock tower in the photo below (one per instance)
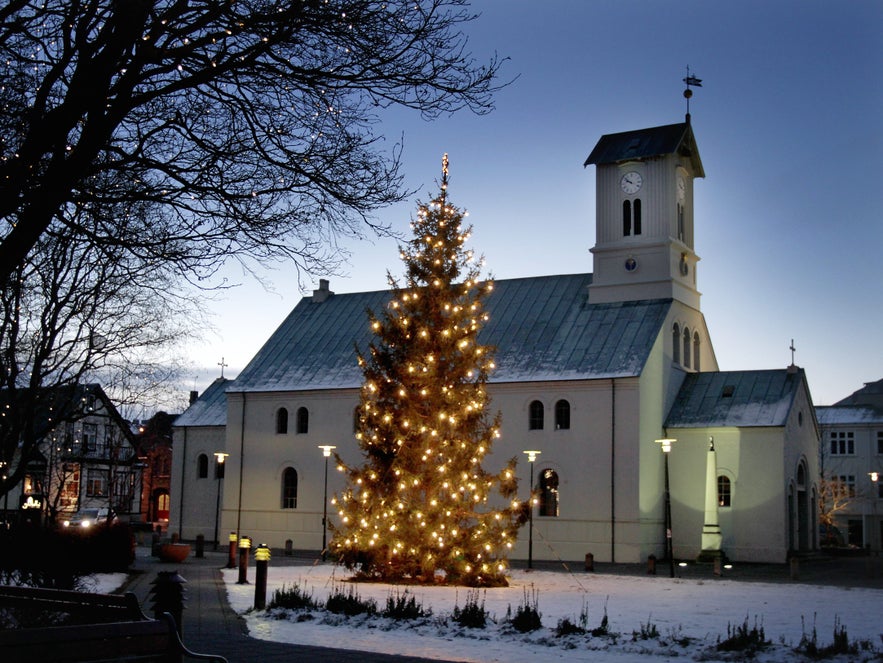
(644, 215)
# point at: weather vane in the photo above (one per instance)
(695, 82)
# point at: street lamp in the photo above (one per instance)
(531, 458)
(220, 457)
(875, 495)
(669, 550)
(326, 451)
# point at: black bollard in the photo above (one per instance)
(651, 565)
(168, 596)
(200, 546)
(244, 546)
(261, 564)
(231, 558)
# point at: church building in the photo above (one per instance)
(640, 444)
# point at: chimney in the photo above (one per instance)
(322, 293)
(193, 396)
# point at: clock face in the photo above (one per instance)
(631, 182)
(682, 187)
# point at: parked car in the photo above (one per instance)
(89, 517)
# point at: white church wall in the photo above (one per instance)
(193, 500)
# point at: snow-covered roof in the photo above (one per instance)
(840, 415)
(210, 409)
(735, 398)
(543, 328)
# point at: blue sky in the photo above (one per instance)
(789, 123)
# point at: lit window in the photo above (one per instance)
(281, 421)
(549, 493)
(724, 494)
(96, 483)
(842, 443)
(535, 416)
(303, 421)
(562, 415)
(289, 488)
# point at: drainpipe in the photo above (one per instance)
(612, 470)
(241, 466)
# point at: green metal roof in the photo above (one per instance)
(646, 144)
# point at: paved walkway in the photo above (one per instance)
(211, 626)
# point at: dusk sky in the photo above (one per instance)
(789, 124)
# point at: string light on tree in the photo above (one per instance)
(422, 508)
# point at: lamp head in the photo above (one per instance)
(532, 455)
(220, 456)
(666, 444)
(326, 449)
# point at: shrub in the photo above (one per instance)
(744, 639)
(527, 618)
(648, 632)
(473, 614)
(349, 603)
(401, 606)
(567, 627)
(840, 644)
(292, 597)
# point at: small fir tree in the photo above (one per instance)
(422, 508)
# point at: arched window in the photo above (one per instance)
(303, 421)
(724, 494)
(637, 223)
(562, 415)
(696, 362)
(202, 466)
(281, 421)
(289, 488)
(676, 344)
(535, 416)
(687, 352)
(626, 218)
(548, 493)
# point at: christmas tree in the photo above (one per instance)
(422, 509)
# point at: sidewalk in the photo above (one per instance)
(211, 627)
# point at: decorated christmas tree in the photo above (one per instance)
(422, 508)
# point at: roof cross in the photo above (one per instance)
(793, 350)
(222, 364)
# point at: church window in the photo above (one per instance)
(535, 416)
(303, 421)
(842, 443)
(880, 441)
(549, 493)
(562, 415)
(676, 343)
(724, 491)
(687, 352)
(202, 466)
(281, 421)
(680, 222)
(695, 351)
(631, 217)
(289, 488)
(637, 215)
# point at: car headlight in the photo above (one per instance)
(86, 523)
(67, 523)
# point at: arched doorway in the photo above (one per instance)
(161, 505)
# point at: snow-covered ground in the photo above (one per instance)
(689, 615)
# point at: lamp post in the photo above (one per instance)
(669, 549)
(326, 451)
(531, 458)
(875, 495)
(220, 457)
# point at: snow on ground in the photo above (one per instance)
(698, 612)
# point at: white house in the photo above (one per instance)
(592, 370)
(852, 455)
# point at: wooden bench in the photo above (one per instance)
(85, 628)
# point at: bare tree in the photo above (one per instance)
(216, 128)
(78, 312)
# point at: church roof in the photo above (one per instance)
(210, 409)
(647, 143)
(543, 328)
(735, 398)
(870, 394)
